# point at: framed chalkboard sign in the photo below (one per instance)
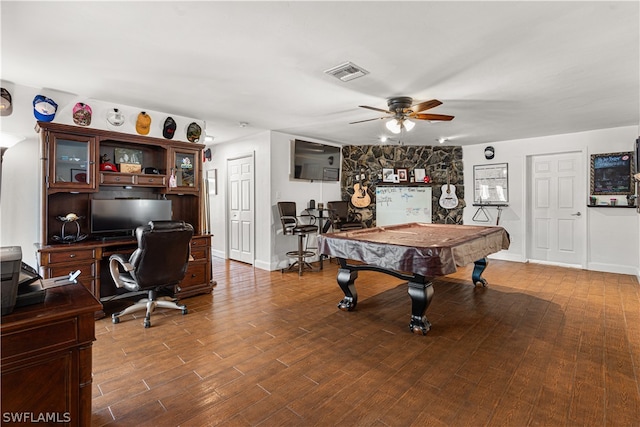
(491, 184)
(612, 173)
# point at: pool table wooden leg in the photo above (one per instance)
(421, 295)
(476, 276)
(346, 279)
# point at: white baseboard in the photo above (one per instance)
(614, 268)
(506, 256)
(556, 264)
(218, 254)
(262, 265)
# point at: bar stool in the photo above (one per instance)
(292, 226)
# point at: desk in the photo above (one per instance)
(46, 357)
(91, 257)
(414, 252)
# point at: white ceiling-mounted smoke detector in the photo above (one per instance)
(347, 71)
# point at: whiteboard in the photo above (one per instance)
(399, 205)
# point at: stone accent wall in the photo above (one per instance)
(436, 160)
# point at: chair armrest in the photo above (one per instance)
(123, 260)
(309, 217)
(114, 261)
(289, 217)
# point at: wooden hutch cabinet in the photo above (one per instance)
(72, 178)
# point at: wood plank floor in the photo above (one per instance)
(541, 345)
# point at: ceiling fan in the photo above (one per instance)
(401, 109)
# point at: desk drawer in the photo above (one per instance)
(87, 269)
(70, 256)
(40, 338)
(199, 253)
(119, 178)
(152, 180)
(196, 275)
(200, 247)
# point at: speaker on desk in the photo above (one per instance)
(312, 204)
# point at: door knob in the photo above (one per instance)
(576, 214)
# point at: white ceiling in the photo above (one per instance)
(505, 70)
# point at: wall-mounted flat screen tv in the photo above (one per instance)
(316, 162)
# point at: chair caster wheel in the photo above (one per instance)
(115, 319)
(184, 311)
(147, 324)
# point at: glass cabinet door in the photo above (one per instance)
(71, 162)
(184, 175)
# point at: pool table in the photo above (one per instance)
(415, 252)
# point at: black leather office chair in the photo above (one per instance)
(342, 218)
(160, 261)
(292, 225)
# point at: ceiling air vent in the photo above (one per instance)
(347, 71)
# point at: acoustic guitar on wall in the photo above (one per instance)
(448, 198)
(360, 197)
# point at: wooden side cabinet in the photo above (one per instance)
(46, 359)
(197, 279)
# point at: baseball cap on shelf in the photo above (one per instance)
(115, 117)
(82, 114)
(193, 132)
(6, 106)
(169, 128)
(143, 124)
(44, 109)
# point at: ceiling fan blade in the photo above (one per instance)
(368, 120)
(425, 105)
(443, 117)
(375, 109)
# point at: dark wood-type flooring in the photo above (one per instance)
(541, 345)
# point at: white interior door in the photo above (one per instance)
(557, 232)
(241, 210)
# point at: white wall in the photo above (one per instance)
(19, 198)
(286, 189)
(259, 146)
(21, 176)
(272, 184)
(612, 243)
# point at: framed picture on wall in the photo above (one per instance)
(387, 175)
(402, 175)
(612, 173)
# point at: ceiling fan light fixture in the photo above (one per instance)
(408, 124)
(394, 126)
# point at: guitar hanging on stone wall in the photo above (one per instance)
(448, 198)
(360, 197)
